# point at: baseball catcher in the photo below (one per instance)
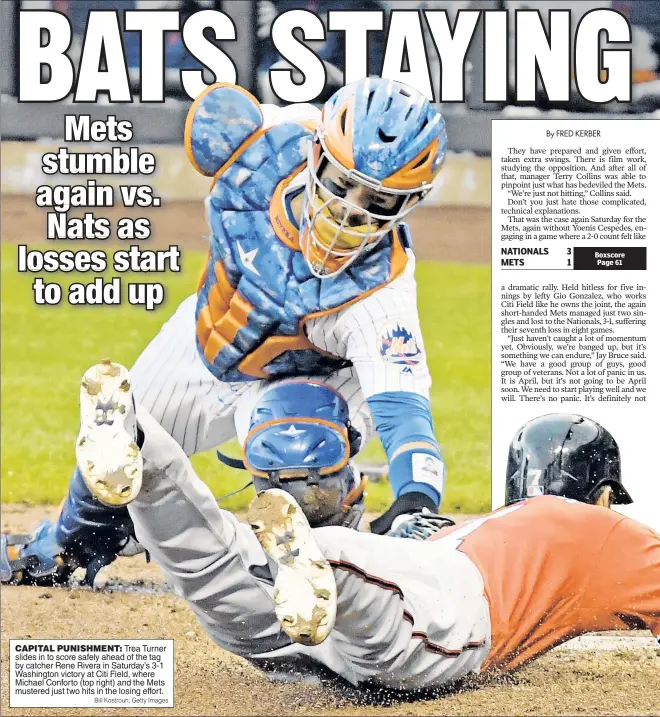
(310, 273)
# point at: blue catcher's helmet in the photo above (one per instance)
(301, 440)
(381, 134)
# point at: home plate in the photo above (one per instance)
(611, 642)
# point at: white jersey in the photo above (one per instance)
(198, 410)
(410, 614)
(381, 336)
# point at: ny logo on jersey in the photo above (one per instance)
(398, 345)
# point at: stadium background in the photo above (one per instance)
(46, 349)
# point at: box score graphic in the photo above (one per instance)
(86, 673)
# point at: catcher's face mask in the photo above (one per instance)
(335, 499)
(375, 154)
(345, 213)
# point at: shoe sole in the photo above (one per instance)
(108, 457)
(305, 588)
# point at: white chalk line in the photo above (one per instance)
(608, 643)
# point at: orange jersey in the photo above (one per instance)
(554, 569)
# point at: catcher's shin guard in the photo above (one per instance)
(35, 559)
(305, 589)
(94, 526)
(93, 532)
(87, 534)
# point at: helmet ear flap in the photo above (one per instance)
(513, 493)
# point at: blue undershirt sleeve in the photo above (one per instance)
(405, 426)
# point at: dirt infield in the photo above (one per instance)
(456, 234)
(210, 681)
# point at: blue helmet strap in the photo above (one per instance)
(220, 498)
(237, 463)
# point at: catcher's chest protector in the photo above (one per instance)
(256, 290)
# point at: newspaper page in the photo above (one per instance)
(329, 361)
(573, 202)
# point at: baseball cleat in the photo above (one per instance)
(305, 589)
(108, 456)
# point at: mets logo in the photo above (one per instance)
(398, 345)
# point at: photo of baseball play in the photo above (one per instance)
(272, 443)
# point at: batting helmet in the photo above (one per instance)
(563, 454)
(301, 440)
